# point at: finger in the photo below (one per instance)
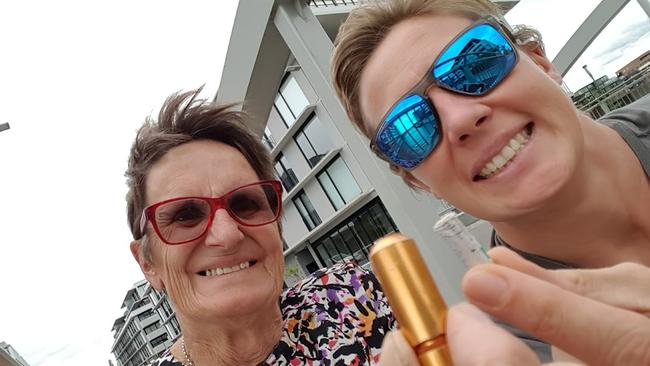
(594, 332)
(396, 351)
(475, 340)
(624, 285)
(506, 257)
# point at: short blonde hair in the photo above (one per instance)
(367, 26)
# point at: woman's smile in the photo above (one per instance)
(219, 271)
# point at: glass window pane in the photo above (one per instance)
(331, 249)
(345, 253)
(304, 214)
(324, 255)
(351, 241)
(343, 180)
(294, 96)
(285, 173)
(304, 206)
(318, 137)
(330, 191)
(284, 111)
(307, 149)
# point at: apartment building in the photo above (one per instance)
(10, 357)
(147, 328)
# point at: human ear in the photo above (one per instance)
(145, 266)
(537, 54)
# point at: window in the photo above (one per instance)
(268, 139)
(313, 141)
(338, 183)
(290, 101)
(150, 328)
(158, 340)
(351, 240)
(286, 174)
(304, 206)
(145, 315)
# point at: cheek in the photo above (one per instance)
(437, 172)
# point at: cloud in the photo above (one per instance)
(78, 352)
(624, 40)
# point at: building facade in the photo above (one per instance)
(338, 197)
(10, 357)
(147, 328)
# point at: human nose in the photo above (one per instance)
(461, 116)
(224, 231)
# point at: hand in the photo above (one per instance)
(626, 285)
(557, 306)
(552, 308)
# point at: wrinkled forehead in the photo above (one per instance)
(402, 59)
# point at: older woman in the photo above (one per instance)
(466, 108)
(203, 207)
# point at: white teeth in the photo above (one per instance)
(225, 270)
(514, 144)
(506, 154)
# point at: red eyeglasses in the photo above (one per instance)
(184, 219)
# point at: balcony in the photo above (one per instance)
(617, 93)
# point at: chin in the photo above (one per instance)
(536, 193)
(242, 301)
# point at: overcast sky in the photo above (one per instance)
(76, 80)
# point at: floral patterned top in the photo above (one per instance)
(336, 316)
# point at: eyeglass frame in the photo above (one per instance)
(428, 80)
(216, 203)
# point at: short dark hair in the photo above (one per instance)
(184, 118)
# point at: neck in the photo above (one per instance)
(600, 217)
(246, 340)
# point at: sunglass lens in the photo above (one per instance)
(409, 132)
(255, 205)
(476, 61)
(182, 220)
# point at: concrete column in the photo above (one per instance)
(413, 213)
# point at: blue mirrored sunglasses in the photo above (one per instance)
(474, 63)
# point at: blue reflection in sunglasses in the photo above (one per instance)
(475, 62)
(410, 132)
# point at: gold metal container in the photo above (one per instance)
(413, 297)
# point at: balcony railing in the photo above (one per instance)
(621, 95)
(326, 3)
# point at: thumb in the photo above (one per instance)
(395, 351)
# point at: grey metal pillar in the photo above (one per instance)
(645, 5)
(587, 32)
(414, 214)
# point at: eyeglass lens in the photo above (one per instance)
(187, 219)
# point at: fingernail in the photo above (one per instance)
(486, 288)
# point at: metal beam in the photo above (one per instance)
(586, 33)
